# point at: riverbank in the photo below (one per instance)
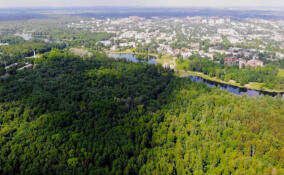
(181, 73)
(165, 59)
(130, 51)
(251, 86)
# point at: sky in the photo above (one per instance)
(142, 3)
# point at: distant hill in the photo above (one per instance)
(121, 12)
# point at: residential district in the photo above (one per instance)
(243, 42)
(227, 40)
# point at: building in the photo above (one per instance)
(186, 54)
(255, 63)
(114, 47)
(105, 43)
(233, 40)
(242, 63)
(252, 63)
(231, 61)
(280, 55)
(123, 45)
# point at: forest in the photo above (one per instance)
(20, 49)
(97, 115)
(78, 38)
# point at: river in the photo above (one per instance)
(230, 88)
(234, 89)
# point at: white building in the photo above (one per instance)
(186, 54)
(106, 43)
(234, 40)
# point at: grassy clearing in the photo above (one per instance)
(182, 65)
(164, 59)
(281, 73)
(255, 85)
(81, 52)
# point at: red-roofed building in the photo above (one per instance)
(231, 61)
(255, 63)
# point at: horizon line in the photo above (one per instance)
(111, 6)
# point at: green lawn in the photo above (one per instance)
(82, 52)
(281, 73)
(255, 85)
(181, 65)
(164, 59)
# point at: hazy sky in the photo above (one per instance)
(170, 3)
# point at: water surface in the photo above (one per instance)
(230, 88)
(235, 90)
(132, 57)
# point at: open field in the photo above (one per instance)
(281, 73)
(81, 52)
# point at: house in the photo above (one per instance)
(186, 54)
(4, 44)
(233, 40)
(280, 55)
(255, 63)
(105, 43)
(231, 61)
(209, 55)
(211, 22)
(194, 46)
(176, 52)
(148, 41)
(114, 47)
(132, 44)
(123, 45)
(170, 51)
(242, 63)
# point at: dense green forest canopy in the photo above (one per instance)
(19, 49)
(45, 41)
(78, 37)
(97, 115)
